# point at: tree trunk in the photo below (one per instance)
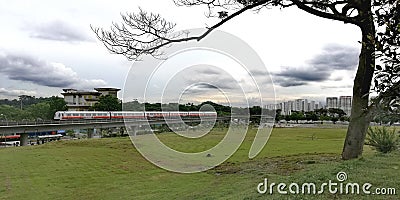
(360, 116)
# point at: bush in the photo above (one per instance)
(382, 139)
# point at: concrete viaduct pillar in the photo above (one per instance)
(90, 132)
(23, 140)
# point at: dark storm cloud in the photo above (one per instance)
(58, 31)
(304, 74)
(29, 69)
(333, 57)
(288, 82)
(336, 57)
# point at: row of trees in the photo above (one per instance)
(331, 114)
(205, 106)
(23, 101)
(42, 109)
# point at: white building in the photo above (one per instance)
(332, 102)
(345, 104)
(83, 100)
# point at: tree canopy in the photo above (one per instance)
(108, 103)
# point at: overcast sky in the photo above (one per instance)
(48, 45)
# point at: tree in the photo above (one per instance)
(336, 112)
(108, 103)
(40, 111)
(311, 116)
(296, 116)
(56, 104)
(278, 116)
(146, 33)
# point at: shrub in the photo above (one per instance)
(382, 139)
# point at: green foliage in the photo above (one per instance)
(56, 104)
(311, 116)
(26, 101)
(137, 106)
(10, 113)
(383, 139)
(336, 112)
(108, 103)
(43, 109)
(296, 116)
(40, 111)
(32, 109)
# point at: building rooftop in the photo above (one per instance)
(107, 89)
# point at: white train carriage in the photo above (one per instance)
(208, 114)
(157, 114)
(178, 114)
(69, 115)
(127, 115)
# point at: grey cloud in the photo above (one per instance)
(223, 82)
(29, 69)
(258, 72)
(288, 82)
(336, 57)
(12, 93)
(206, 86)
(58, 31)
(304, 74)
(201, 88)
(209, 71)
(333, 57)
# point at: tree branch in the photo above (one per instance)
(303, 5)
(133, 41)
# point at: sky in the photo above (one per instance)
(46, 46)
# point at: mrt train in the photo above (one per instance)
(70, 115)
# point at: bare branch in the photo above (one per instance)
(146, 33)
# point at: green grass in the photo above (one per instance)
(113, 169)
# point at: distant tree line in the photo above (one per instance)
(24, 101)
(137, 106)
(331, 114)
(32, 109)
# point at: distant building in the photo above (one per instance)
(331, 102)
(78, 100)
(108, 91)
(345, 104)
(299, 105)
(312, 106)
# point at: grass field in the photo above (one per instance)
(113, 169)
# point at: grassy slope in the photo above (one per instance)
(113, 169)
